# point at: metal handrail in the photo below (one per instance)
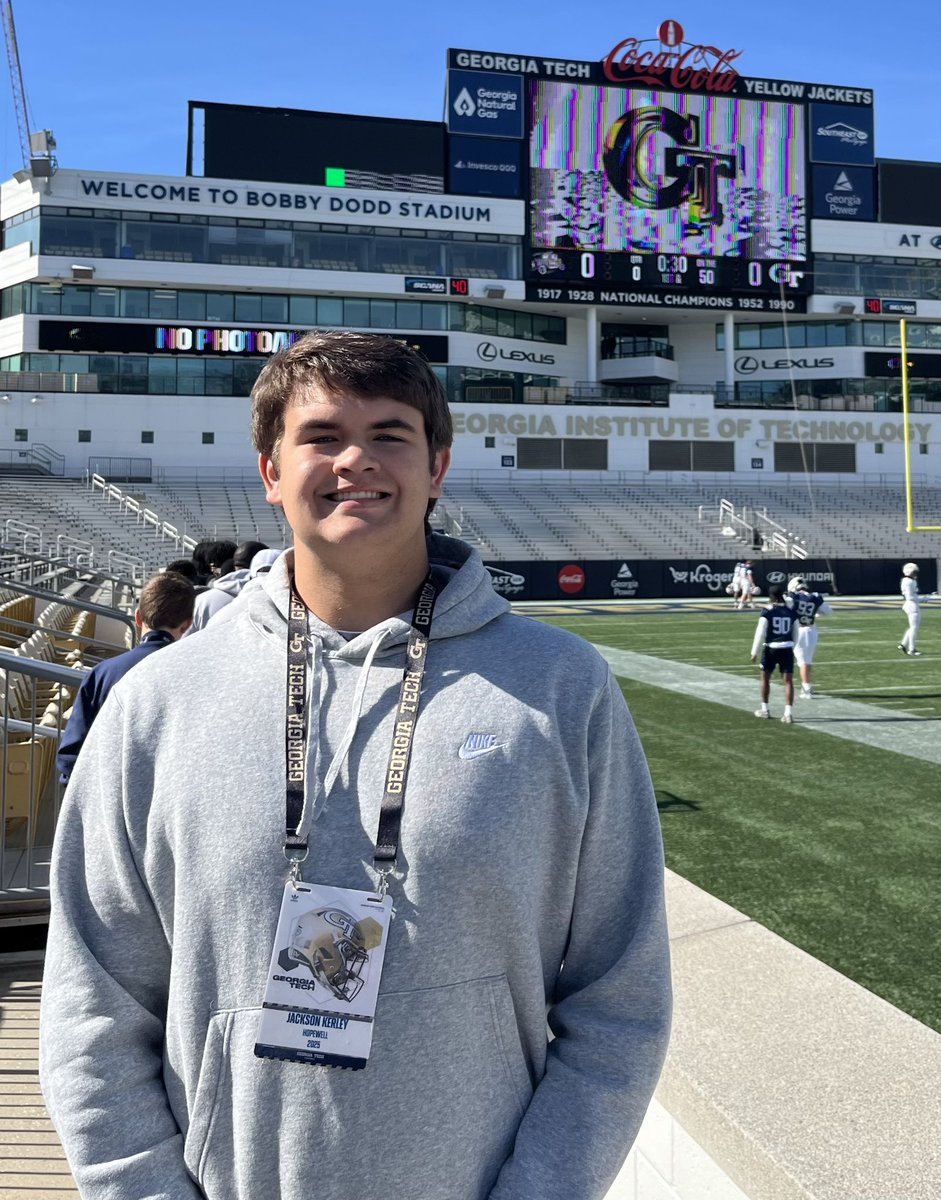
(100, 610)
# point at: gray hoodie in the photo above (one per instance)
(532, 886)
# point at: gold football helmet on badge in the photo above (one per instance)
(335, 947)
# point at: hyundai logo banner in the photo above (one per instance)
(485, 104)
(840, 133)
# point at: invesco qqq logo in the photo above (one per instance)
(633, 163)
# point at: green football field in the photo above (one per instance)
(834, 844)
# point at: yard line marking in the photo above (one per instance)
(883, 728)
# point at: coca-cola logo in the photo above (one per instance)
(572, 579)
(692, 68)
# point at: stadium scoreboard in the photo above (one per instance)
(661, 177)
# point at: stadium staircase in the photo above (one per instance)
(520, 520)
(851, 521)
(233, 511)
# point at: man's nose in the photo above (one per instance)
(354, 456)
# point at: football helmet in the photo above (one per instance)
(910, 569)
(796, 584)
(335, 947)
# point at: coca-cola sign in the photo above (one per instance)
(669, 62)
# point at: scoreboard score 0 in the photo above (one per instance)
(681, 200)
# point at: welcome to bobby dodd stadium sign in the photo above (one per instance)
(349, 206)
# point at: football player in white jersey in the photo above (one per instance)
(808, 606)
(911, 606)
(747, 588)
(735, 584)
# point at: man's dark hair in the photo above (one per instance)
(201, 559)
(166, 601)
(775, 593)
(244, 554)
(361, 364)
(185, 567)
(219, 556)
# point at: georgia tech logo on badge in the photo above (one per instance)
(335, 947)
(637, 168)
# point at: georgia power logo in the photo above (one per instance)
(849, 135)
(624, 583)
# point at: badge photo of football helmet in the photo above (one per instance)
(335, 947)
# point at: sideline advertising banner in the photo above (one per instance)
(705, 579)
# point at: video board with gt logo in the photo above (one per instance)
(647, 197)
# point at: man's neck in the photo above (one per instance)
(357, 601)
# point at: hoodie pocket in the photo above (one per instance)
(446, 1083)
(211, 1080)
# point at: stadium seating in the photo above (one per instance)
(523, 520)
(237, 511)
(519, 520)
(840, 521)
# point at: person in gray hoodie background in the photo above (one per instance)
(525, 867)
(224, 589)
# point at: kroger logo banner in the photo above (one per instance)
(842, 133)
(485, 104)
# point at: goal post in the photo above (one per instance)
(910, 525)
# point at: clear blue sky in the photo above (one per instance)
(113, 79)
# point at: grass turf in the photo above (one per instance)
(834, 845)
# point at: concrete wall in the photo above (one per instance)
(785, 1080)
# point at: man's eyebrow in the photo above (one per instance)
(394, 423)
(314, 423)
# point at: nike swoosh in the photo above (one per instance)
(465, 753)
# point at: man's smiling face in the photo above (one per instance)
(354, 475)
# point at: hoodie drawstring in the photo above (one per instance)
(343, 749)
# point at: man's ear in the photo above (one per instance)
(268, 470)
(138, 620)
(439, 470)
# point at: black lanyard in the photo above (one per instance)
(406, 716)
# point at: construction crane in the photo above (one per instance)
(36, 148)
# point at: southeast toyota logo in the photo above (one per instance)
(746, 365)
(487, 351)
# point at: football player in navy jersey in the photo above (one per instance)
(776, 630)
(809, 606)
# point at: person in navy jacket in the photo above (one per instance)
(163, 616)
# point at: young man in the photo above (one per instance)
(809, 606)
(747, 588)
(224, 588)
(774, 636)
(372, 723)
(162, 617)
(911, 606)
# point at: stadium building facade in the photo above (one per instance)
(649, 265)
